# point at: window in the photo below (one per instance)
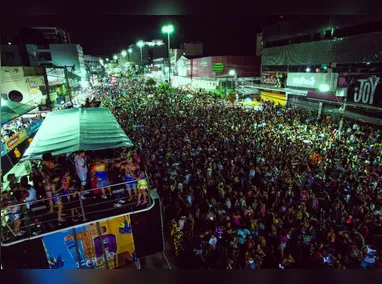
(8, 55)
(44, 56)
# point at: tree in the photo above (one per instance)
(163, 88)
(150, 82)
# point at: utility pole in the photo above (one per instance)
(47, 89)
(67, 84)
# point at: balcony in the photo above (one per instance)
(39, 221)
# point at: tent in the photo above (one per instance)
(68, 131)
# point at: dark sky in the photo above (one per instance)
(106, 35)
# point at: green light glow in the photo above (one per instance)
(115, 57)
(140, 44)
(123, 53)
(168, 29)
(130, 50)
(324, 88)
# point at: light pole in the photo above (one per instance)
(141, 44)
(168, 30)
(130, 51)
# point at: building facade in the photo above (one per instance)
(215, 72)
(44, 54)
(328, 63)
(53, 35)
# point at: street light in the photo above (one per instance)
(107, 59)
(101, 61)
(123, 53)
(115, 57)
(168, 30)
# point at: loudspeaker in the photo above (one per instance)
(147, 229)
(24, 255)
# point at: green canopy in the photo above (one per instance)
(68, 131)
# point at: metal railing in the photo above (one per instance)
(85, 206)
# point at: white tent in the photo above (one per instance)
(75, 129)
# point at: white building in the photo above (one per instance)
(58, 55)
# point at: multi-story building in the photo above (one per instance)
(53, 35)
(93, 63)
(324, 62)
(45, 54)
(214, 72)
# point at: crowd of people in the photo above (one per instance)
(10, 129)
(276, 188)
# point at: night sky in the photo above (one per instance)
(106, 35)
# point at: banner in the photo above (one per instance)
(275, 79)
(34, 126)
(274, 97)
(117, 239)
(12, 142)
(363, 89)
(307, 80)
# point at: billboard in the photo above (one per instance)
(365, 89)
(117, 240)
(307, 80)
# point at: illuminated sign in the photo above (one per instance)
(366, 90)
(218, 67)
(307, 80)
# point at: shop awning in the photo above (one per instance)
(72, 130)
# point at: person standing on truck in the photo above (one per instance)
(81, 164)
(99, 171)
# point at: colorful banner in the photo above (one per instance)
(274, 97)
(274, 79)
(117, 239)
(12, 142)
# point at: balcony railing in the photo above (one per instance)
(38, 220)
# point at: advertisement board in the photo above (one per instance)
(363, 89)
(117, 239)
(16, 139)
(307, 80)
(276, 79)
(19, 137)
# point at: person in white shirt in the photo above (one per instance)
(81, 167)
(213, 241)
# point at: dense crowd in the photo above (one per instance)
(276, 188)
(10, 129)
